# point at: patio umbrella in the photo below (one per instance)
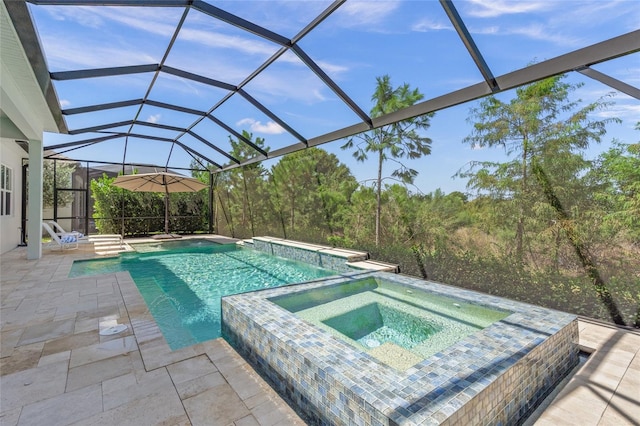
(160, 182)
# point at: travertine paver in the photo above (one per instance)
(216, 406)
(606, 389)
(65, 408)
(56, 369)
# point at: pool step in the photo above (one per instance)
(373, 265)
(108, 245)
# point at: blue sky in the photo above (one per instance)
(412, 41)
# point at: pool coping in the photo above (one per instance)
(430, 392)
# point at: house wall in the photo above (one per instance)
(11, 155)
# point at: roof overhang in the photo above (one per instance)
(29, 101)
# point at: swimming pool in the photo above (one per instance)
(182, 281)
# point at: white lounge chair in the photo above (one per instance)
(65, 242)
(60, 230)
(97, 239)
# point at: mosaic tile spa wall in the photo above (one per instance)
(495, 376)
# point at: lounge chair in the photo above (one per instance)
(94, 238)
(65, 242)
(60, 230)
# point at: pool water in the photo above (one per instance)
(182, 282)
(374, 324)
(393, 323)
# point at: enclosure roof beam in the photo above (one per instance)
(471, 46)
(238, 135)
(174, 107)
(161, 139)
(197, 154)
(236, 21)
(266, 111)
(101, 107)
(101, 127)
(158, 126)
(614, 83)
(212, 146)
(198, 78)
(151, 3)
(329, 82)
(596, 53)
(84, 141)
(600, 52)
(103, 72)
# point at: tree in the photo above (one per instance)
(394, 141)
(618, 173)
(242, 187)
(63, 175)
(541, 124)
(309, 191)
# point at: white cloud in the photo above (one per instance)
(541, 32)
(625, 112)
(64, 103)
(357, 13)
(332, 69)
(427, 24)
(154, 118)
(289, 85)
(630, 74)
(494, 29)
(83, 15)
(269, 128)
(74, 55)
(493, 8)
(219, 40)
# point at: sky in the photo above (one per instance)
(411, 41)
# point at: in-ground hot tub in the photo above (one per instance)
(378, 348)
(391, 322)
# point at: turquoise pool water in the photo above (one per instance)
(182, 281)
(396, 324)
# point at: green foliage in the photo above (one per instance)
(394, 141)
(541, 125)
(617, 173)
(63, 179)
(144, 211)
(238, 191)
(310, 191)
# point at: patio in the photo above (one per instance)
(58, 369)
(55, 366)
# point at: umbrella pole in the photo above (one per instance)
(166, 210)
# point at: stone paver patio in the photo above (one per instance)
(56, 369)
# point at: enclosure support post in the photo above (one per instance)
(210, 202)
(34, 216)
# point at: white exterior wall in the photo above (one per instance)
(11, 155)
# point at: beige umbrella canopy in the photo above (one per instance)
(160, 182)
